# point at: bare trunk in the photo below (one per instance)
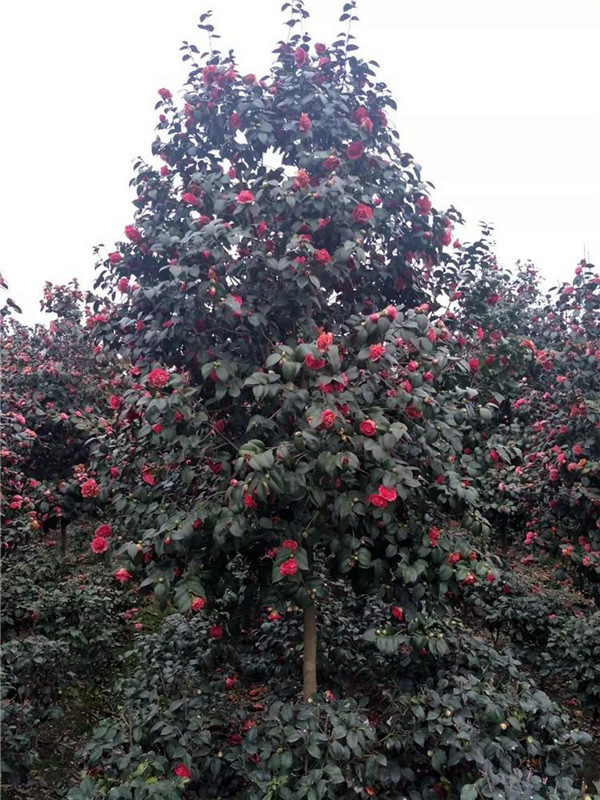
(63, 538)
(309, 667)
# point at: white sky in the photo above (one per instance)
(497, 100)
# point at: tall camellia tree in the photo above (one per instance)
(288, 412)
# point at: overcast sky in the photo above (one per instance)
(497, 99)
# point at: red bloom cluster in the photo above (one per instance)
(289, 567)
(158, 378)
(384, 496)
(90, 488)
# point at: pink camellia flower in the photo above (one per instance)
(362, 213)
(368, 427)
(289, 567)
(123, 285)
(198, 603)
(165, 94)
(354, 151)
(132, 234)
(90, 488)
(412, 366)
(158, 378)
(328, 418)
(157, 428)
(474, 365)
(114, 258)
(216, 632)
(494, 455)
(235, 120)
(377, 500)
(114, 402)
(376, 351)
(189, 198)
(122, 575)
(390, 312)
(182, 771)
(290, 544)
(245, 197)
(99, 545)
(304, 123)
(103, 530)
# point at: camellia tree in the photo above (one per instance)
(293, 408)
(52, 390)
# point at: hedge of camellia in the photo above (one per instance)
(54, 379)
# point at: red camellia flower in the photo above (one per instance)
(123, 285)
(324, 340)
(354, 151)
(158, 378)
(328, 418)
(290, 544)
(103, 530)
(249, 501)
(376, 351)
(313, 363)
(114, 402)
(114, 258)
(377, 500)
(304, 123)
(474, 364)
(322, 256)
(235, 120)
(245, 197)
(300, 56)
(165, 94)
(148, 478)
(362, 213)
(494, 455)
(423, 205)
(216, 632)
(367, 427)
(90, 488)
(190, 198)
(122, 575)
(99, 545)
(397, 612)
(289, 566)
(132, 234)
(198, 603)
(454, 557)
(388, 493)
(182, 771)
(331, 163)
(434, 536)
(157, 427)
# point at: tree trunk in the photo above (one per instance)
(309, 667)
(63, 537)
